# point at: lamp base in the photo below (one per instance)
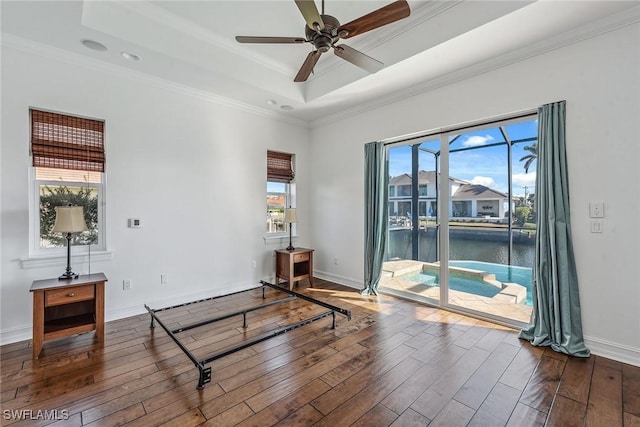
(68, 276)
(290, 247)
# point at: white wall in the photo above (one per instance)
(600, 80)
(194, 172)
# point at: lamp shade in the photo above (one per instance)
(69, 219)
(290, 215)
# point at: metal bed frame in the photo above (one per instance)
(205, 372)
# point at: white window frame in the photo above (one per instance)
(290, 201)
(34, 213)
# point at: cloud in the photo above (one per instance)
(487, 181)
(524, 180)
(476, 141)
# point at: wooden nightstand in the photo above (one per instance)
(294, 265)
(67, 307)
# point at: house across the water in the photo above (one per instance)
(467, 200)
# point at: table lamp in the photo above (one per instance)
(69, 219)
(290, 217)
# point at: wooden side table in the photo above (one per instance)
(67, 307)
(294, 265)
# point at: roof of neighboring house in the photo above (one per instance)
(477, 191)
(466, 190)
(424, 177)
(275, 201)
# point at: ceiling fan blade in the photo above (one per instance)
(310, 13)
(307, 66)
(386, 15)
(358, 58)
(252, 39)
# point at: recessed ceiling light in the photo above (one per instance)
(94, 45)
(286, 107)
(272, 102)
(130, 56)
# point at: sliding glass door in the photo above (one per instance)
(461, 219)
(413, 250)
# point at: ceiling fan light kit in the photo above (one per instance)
(324, 31)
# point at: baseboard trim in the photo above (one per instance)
(341, 280)
(16, 334)
(615, 351)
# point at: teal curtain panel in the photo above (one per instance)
(556, 320)
(376, 171)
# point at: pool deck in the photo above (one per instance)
(501, 305)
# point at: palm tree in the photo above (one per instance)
(533, 154)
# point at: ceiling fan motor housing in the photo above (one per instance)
(324, 39)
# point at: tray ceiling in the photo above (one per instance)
(191, 44)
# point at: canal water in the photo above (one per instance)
(485, 245)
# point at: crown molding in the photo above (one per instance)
(74, 59)
(594, 29)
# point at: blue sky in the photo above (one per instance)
(486, 166)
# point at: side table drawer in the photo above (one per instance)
(68, 295)
(301, 257)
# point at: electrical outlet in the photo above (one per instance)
(596, 226)
(126, 284)
(164, 279)
(254, 264)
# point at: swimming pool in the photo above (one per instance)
(458, 282)
(504, 273)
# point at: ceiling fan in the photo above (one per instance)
(324, 31)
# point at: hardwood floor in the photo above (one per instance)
(396, 363)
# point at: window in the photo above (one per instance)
(422, 190)
(277, 199)
(404, 190)
(422, 208)
(404, 209)
(68, 169)
(280, 190)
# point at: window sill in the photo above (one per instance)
(279, 239)
(61, 259)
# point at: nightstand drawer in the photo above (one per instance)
(301, 257)
(69, 295)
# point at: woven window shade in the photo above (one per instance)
(67, 142)
(279, 167)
